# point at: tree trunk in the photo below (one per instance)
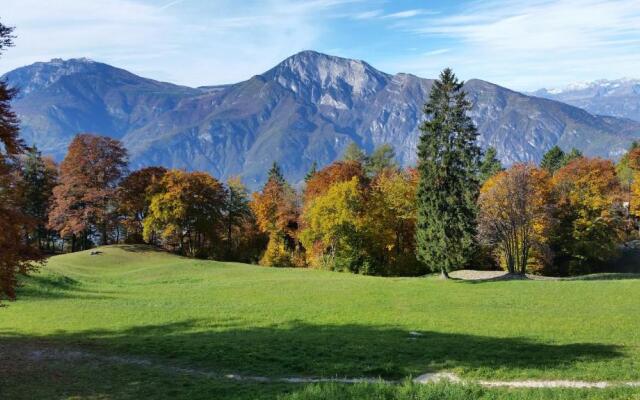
(444, 274)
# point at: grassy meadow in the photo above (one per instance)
(137, 323)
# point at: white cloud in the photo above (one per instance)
(405, 14)
(368, 14)
(527, 44)
(188, 42)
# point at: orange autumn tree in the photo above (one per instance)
(16, 256)
(515, 217)
(340, 171)
(84, 201)
(187, 213)
(588, 213)
(134, 197)
(276, 210)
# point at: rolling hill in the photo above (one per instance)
(151, 324)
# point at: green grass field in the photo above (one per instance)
(179, 323)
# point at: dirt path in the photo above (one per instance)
(42, 355)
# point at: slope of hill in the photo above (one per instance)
(306, 109)
(617, 98)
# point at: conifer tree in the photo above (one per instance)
(275, 172)
(448, 164)
(312, 171)
(490, 165)
(553, 159)
(572, 155)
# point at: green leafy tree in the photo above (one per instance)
(382, 158)
(187, 211)
(39, 177)
(239, 221)
(626, 168)
(448, 165)
(490, 165)
(572, 155)
(353, 152)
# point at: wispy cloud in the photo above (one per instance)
(407, 14)
(525, 43)
(219, 42)
(368, 14)
(380, 14)
(171, 4)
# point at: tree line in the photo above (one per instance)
(458, 208)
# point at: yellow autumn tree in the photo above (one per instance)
(335, 232)
(187, 212)
(276, 210)
(515, 216)
(589, 214)
(391, 217)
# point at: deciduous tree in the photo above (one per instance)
(515, 216)
(339, 171)
(276, 209)
(187, 211)
(134, 198)
(39, 175)
(16, 256)
(84, 200)
(335, 230)
(391, 217)
(589, 222)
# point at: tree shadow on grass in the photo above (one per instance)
(302, 349)
(140, 248)
(54, 287)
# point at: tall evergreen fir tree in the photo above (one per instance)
(448, 164)
(553, 160)
(490, 165)
(312, 171)
(275, 172)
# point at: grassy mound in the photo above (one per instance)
(132, 301)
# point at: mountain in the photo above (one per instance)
(58, 99)
(617, 98)
(307, 108)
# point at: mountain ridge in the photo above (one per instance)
(617, 97)
(307, 108)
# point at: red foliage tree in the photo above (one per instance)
(340, 171)
(84, 200)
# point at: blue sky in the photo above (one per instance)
(520, 44)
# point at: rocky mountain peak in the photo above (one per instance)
(326, 72)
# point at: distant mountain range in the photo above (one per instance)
(617, 98)
(307, 108)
